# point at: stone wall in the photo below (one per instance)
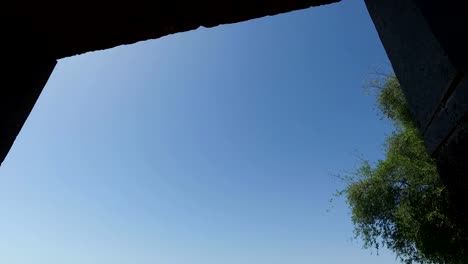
(425, 42)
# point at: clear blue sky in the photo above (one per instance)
(215, 146)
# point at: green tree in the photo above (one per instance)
(400, 202)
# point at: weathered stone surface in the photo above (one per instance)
(449, 116)
(452, 164)
(447, 140)
(447, 20)
(419, 61)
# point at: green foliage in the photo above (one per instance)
(392, 103)
(400, 202)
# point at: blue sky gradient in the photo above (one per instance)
(212, 146)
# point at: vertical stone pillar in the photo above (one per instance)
(425, 42)
(24, 74)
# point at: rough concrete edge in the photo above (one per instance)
(184, 28)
